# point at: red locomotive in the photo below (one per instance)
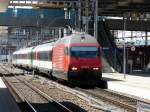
(77, 58)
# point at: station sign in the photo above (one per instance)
(133, 48)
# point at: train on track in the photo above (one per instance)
(75, 58)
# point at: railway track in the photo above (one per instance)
(13, 82)
(120, 100)
(96, 95)
(9, 70)
(127, 102)
(43, 102)
(114, 98)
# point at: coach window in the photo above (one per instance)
(50, 55)
(22, 56)
(29, 55)
(43, 56)
(39, 56)
(46, 55)
(19, 56)
(25, 56)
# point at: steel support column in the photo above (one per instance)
(87, 16)
(96, 20)
(124, 49)
(79, 16)
(146, 38)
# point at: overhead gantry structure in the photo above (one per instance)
(119, 7)
(105, 7)
(131, 9)
(36, 4)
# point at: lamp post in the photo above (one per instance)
(124, 47)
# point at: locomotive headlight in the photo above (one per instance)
(96, 68)
(74, 68)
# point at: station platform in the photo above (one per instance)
(7, 103)
(137, 85)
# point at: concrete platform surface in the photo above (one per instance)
(136, 85)
(7, 103)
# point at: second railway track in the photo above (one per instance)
(125, 102)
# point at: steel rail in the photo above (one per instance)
(126, 96)
(29, 105)
(110, 100)
(93, 102)
(44, 95)
(127, 104)
(19, 95)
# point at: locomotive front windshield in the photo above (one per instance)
(85, 52)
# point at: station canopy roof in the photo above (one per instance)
(106, 7)
(119, 7)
